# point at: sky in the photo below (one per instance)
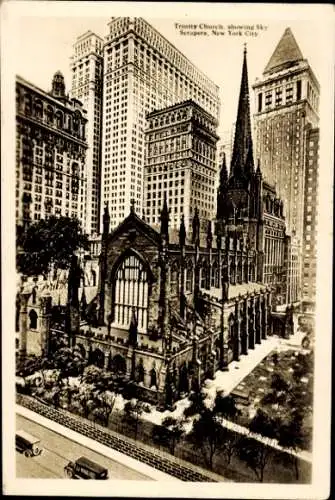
(44, 41)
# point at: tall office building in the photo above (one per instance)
(180, 163)
(87, 70)
(287, 102)
(50, 153)
(310, 216)
(142, 72)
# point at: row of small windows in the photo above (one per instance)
(276, 96)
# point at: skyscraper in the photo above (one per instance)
(310, 216)
(142, 72)
(87, 71)
(50, 153)
(287, 102)
(180, 162)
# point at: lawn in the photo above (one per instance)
(294, 369)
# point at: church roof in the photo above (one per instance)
(285, 54)
(133, 221)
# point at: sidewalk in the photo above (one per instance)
(238, 370)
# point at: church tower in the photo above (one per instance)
(237, 193)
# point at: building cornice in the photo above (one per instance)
(131, 28)
(66, 107)
(38, 123)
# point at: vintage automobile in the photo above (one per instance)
(27, 444)
(84, 468)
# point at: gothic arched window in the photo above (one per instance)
(153, 378)
(34, 295)
(189, 278)
(174, 279)
(130, 291)
(214, 276)
(33, 319)
(203, 275)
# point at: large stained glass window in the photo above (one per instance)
(131, 293)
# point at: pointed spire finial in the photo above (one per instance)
(133, 328)
(221, 192)
(165, 219)
(182, 231)
(196, 227)
(132, 206)
(106, 219)
(223, 172)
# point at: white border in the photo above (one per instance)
(321, 18)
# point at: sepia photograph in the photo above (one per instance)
(167, 184)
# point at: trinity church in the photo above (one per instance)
(173, 307)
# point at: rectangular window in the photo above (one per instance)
(260, 98)
(298, 90)
(268, 99)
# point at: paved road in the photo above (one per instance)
(58, 451)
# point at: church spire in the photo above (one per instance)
(106, 220)
(165, 220)
(242, 158)
(222, 189)
(223, 173)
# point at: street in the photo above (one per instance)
(58, 451)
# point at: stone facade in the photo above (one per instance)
(50, 153)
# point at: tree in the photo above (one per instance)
(86, 398)
(197, 405)
(69, 361)
(169, 433)
(92, 374)
(49, 243)
(255, 455)
(225, 407)
(292, 437)
(263, 424)
(229, 445)
(105, 402)
(133, 411)
(208, 435)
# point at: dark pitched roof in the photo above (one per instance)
(285, 54)
(135, 222)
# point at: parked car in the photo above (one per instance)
(84, 468)
(27, 444)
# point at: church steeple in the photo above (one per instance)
(222, 189)
(242, 164)
(223, 173)
(106, 220)
(165, 220)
